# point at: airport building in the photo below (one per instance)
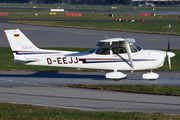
(135, 2)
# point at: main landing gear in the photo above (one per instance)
(116, 76)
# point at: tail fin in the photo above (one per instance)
(19, 44)
(18, 41)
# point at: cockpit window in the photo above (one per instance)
(119, 50)
(103, 51)
(135, 48)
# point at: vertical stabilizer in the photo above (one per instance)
(20, 44)
(18, 41)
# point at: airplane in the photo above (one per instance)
(114, 54)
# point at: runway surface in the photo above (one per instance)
(167, 78)
(92, 100)
(36, 87)
(43, 36)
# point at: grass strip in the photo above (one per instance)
(142, 27)
(7, 62)
(145, 89)
(10, 111)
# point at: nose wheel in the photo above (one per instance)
(150, 75)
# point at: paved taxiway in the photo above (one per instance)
(167, 78)
(43, 36)
(35, 87)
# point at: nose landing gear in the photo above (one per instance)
(150, 75)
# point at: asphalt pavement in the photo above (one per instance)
(36, 88)
(40, 89)
(43, 36)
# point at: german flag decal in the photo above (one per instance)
(16, 35)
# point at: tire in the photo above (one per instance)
(117, 79)
(152, 79)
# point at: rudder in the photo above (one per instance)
(18, 41)
(19, 44)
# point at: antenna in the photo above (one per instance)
(106, 37)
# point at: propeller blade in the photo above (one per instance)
(169, 61)
(168, 57)
(168, 45)
(169, 54)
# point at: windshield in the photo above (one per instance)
(135, 48)
(92, 50)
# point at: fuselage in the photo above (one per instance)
(143, 60)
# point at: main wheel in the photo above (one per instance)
(152, 79)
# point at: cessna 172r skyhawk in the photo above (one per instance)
(115, 54)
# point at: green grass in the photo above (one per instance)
(7, 61)
(143, 27)
(10, 111)
(97, 16)
(44, 14)
(151, 89)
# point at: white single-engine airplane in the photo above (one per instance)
(116, 54)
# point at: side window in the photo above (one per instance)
(119, 50)
(103, 51)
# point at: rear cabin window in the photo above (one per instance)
(103, 44)
(118, 43)
(103, 51)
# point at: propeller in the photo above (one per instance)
(169, 54)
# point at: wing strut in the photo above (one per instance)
(129, 53)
